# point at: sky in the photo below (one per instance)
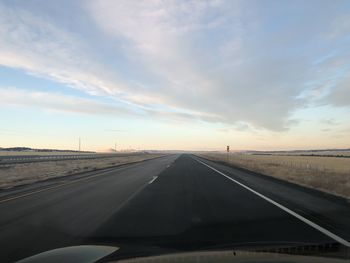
(185, 75)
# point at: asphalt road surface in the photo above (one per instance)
(177, 202)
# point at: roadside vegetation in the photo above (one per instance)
(329, 174)
(18, 153)
(25, 173)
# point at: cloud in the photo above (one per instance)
(214, 61)
(37, 46)
(340, 96)
(60, 103)
(208, 58)
(330, 122)
(340, 26)
(239, 127)
(114, 130)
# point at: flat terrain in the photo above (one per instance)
(335, 152)
(329, 174)
(15, 174)
(18, 153)
(167, 204)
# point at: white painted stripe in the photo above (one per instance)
(74, 181)
(305, 220)
(154, 178)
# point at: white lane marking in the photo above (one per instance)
(305, 220)
(168, 166)
(154, 178)
(56, 186)
(68, 183)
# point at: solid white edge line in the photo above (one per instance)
(305, 220)
(154, 178)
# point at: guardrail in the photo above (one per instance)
(13, 159)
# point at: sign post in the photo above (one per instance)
(228, 150)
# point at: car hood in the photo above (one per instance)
(75, 254)
(96, 253)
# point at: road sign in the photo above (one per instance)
(228, 148)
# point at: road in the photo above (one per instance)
(177, 202)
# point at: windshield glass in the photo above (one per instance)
(165, 127)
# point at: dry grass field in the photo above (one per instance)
(14, 153)
(322, 153)
(25, 173)
(329, 174)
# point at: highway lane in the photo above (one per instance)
(329, 211)
(66, 215)
(171, 202)
(195, 206)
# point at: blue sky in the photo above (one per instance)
(175, 74)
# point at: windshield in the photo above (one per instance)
(169, 127)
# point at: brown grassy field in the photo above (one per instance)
(329, 174)
(13, 153)
(323, 153)
(25, 173)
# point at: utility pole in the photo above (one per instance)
(228, 150)
(79, 144)
(115, 147)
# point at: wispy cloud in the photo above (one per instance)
(214, 61)
(37, 46)
(212, 57)
(60, 103)
(330, 122)
(114, 130)
(341, 93)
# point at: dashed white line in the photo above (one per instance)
(305, 220)
(154, 178)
